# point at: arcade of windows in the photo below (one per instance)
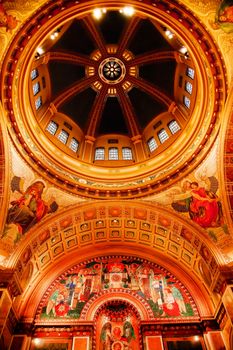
(113, 152)
(63, 136)
(36, 87)
(162, 135)
(188, 87)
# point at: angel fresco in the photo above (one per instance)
(113, 339)
(224, 16)
(29, 208)
(201, 202)
(128, 333)
(58, 304)
(7, 21)
(161, 291)
(106, 336)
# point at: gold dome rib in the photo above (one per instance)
(95, 34)
(128, 112)
(70, 58)
(153, 56)
(152, 90)
(96, 111)
(73, 90)
(128, 35)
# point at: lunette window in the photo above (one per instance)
(99, 153)
(36, 88)
(113, 153)
(190, 72)
(173, 126)
(63, 136)
(38, 102)
(52, 127)
(163, 135)
(187, 102)
(189, 87)
(152, 144)
(127, 153)
(74, 144)
(34, 74)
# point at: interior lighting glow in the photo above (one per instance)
(169, 34)
(54, 35)
(128, 11)
(98, 13)
(183, 50)
(37, 341)
(196, 338)
(40, 51)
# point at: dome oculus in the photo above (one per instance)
(112, 70)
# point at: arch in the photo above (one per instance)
(226, 149)
(104, 229)
(4, 180)
(36, 298)
(86, 219)
(101, 306)
(90, 312)
(117, 316)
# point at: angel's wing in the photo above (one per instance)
(17, 184)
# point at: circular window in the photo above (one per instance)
(112, 70)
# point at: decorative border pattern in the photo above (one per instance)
(89, 188)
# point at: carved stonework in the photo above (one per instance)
(186, 329)
(225, 278)
(10, 281)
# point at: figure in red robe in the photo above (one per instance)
(7, 21)
(204, 207)
(29, 208)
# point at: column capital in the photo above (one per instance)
(90, 139)
(224, 278)
(136, 138)
(10, 281)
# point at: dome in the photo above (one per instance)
(116, 174)
(112, 93)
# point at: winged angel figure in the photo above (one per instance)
(200, 201)
(29, 208)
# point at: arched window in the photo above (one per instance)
(163, 135)
(152, 144)
(74, 144)
(34, 74)
(99, 153)
(52, 127)
(187, 102)
(190, 72)
(173, 126)
(38, 102)
(36, 88)
(63, 136)
(113, 153)
(127, 153)
(189, 87)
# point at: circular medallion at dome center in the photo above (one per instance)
(112, 70)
